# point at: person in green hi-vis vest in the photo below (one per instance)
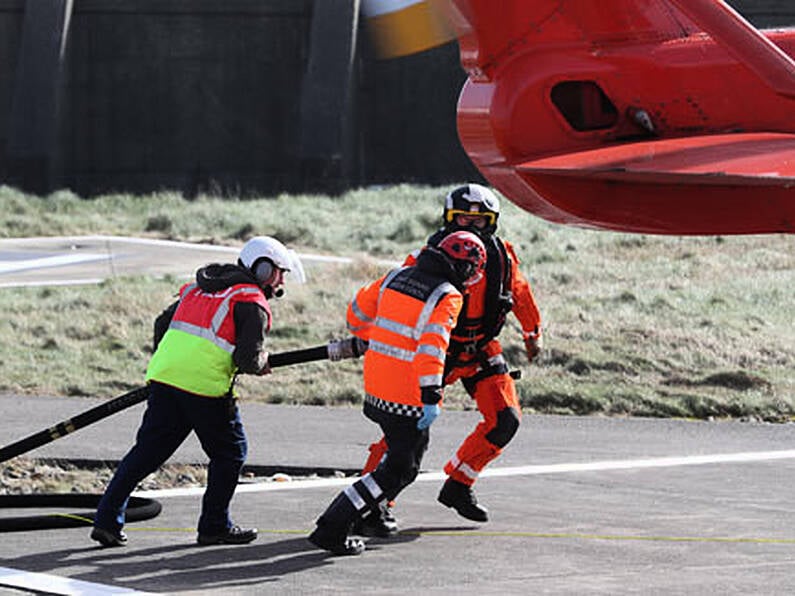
(213, 332)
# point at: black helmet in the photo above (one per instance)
(472, 199)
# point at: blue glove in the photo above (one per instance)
(429, 414)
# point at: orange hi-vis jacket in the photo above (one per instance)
(476, 325)
(406, 316)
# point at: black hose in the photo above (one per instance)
(61, 429)
(138, 509)
(298, 356)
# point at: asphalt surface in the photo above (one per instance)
(578, 506)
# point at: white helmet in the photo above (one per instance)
(274, 253)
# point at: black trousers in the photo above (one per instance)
(406, 446)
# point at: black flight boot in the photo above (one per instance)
(380, 523)
(460, 497)
(332, 529)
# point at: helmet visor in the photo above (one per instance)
(489, 217)
(296, 269)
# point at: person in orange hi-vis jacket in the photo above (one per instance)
(475, 356)
(406, 316)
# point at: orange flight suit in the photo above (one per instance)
(475, 357)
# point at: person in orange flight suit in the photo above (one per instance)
(406, 316)
(475, 356)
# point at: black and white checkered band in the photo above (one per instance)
(394, 408)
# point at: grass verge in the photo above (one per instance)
(634, 325)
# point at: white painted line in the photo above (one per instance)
(42, 583)
(656, 462)
(564, 468)
(38, 242)
(56, 282)
(46, 262)
(227, 250)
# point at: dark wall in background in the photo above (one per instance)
(407, 108)
(766, 13)
(166, 93)
(10, 36)
(202, 95)
(205, 95)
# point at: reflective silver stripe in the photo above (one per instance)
(391, 351)
(395, 327)
(419, 328)
(372, 486)
(355, 498)
(389, 277)
(439, 330)
(465, 469)
(223, 308)
(433, 351)
(359, 313)
(496, 359)
(493, 361)
(438, 292)
(356, 327)
(211, 333)
(468, 472)
(431, 380)
(203, 332)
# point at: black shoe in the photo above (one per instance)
(234, 535)
(108, 538)
(340, 545)
(381, 524)
(460, 497)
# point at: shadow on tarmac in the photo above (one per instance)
(193, 567)
(182, 566)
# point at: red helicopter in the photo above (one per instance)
(650, 116)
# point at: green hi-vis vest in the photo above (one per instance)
(195, 354)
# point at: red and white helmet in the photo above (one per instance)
(467, 254)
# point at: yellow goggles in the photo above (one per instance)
(488, 217)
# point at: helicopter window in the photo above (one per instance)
(584, 105)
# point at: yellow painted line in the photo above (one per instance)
(165, 530)
(523, 534)
(576, 536)
(72, 516)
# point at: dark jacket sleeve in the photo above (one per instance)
(251, 321)
(162, 322)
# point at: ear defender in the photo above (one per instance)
(263, 272)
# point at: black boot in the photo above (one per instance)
(460, 497)
(333, 526)
(336, 544)
(380, 523)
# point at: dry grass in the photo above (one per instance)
(634, 325)
(23, 476)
